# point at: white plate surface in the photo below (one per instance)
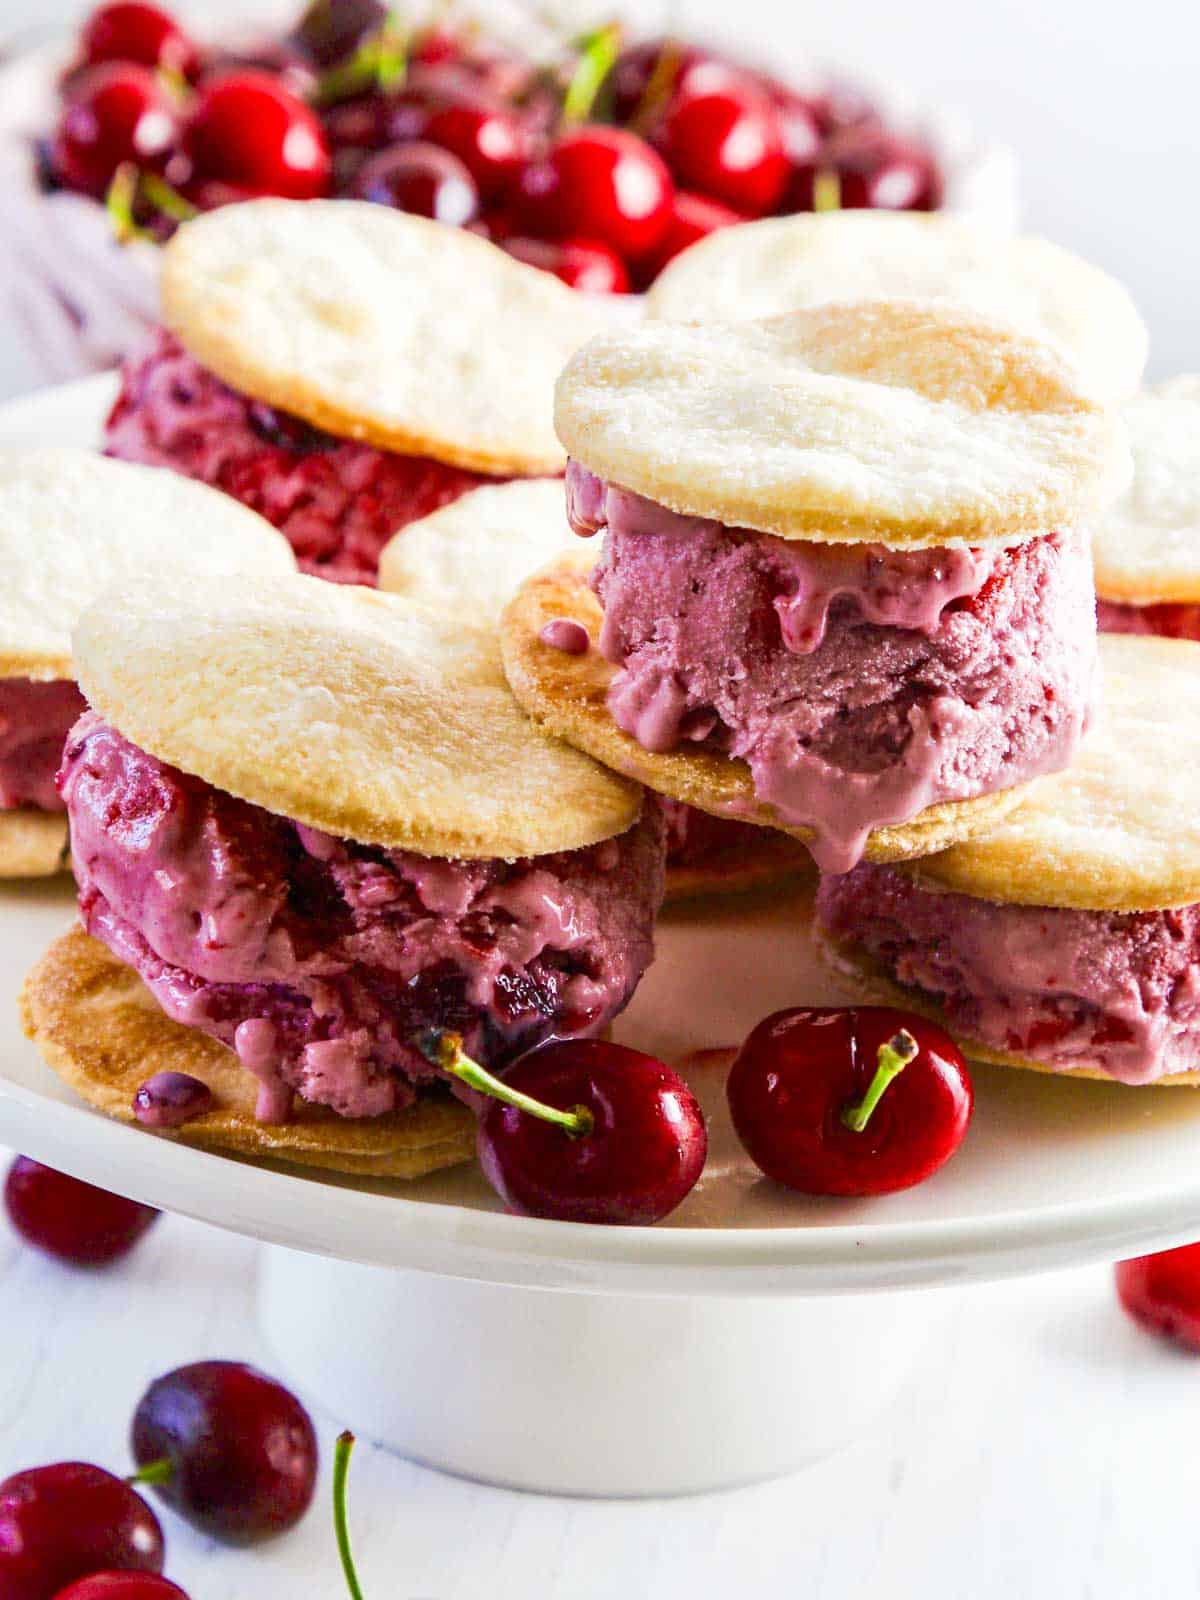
(1051, 1172)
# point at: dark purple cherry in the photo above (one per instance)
(229, 1449)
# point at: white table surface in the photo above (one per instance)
(1044, 1448)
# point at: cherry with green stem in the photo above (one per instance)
(849, 1100)
(581, 1130)
(228, 1448)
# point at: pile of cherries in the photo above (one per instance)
(599, 168)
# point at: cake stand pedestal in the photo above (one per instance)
(587, 1393)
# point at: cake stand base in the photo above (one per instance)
(588, 1394)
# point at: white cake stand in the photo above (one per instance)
(753, 1331)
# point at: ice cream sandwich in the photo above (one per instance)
(309, 824)
(1068, 940)
(1147, 548)
(72, 525)
(845, 587)
(791, 263)
(345, 369)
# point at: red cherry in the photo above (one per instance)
(121, 1586)
(70, 1220)
(490, 143)
(1162, 1293)
(422, 179)
(228, 1448)
(693, 217)
(112, 114)
(248, 131)
(578, 262)
(61, 1522)
(598, 183)
(133, 31)
(802, 1074)
(875, 171)
(642, 1149)
(722, 136)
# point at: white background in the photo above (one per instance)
(1045, 1448)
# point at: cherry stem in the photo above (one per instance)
(153, 1473)
(119, 203)
(659, 88)
(342, 1452)
(893, 1057)
(598, 55)
(445, 1050)
(827, 190)
(166, 198)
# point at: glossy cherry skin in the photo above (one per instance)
(800, 1069)
(61, 1522)
(242, 1449)
(580, 263)
(121, 1586)
(421, 179)
(69, 1220)
(130, 30)
(490, 143)
(643, 1156)
(722, 136)
(247, 130)
(693, 217)
(1162, 1293)
(598, 183)
(112, 114)
(875, 172)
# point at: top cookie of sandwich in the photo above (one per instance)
(472, 556)
(1147, 546)
(908, 423)
(1116, 832)
(357, 713)
(374, 325)
(72, 524)
(788, 263)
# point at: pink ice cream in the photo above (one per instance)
(860, 684)
(337, 501)
(35, 719)
(1170, 620)
(1118, 992)
(320, 961)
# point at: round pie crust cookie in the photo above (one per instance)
(788, 263)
